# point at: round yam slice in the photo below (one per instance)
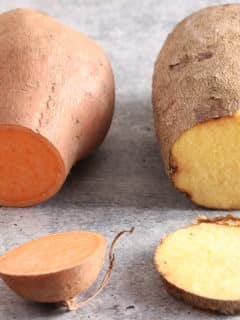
(200, 264)
(56, 267)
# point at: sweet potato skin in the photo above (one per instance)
(55, 81)
(196, 75)
(65, 284)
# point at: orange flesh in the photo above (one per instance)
(51, 253)
(31, 168)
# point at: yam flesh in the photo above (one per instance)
(200, 264)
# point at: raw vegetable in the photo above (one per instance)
(56, 104)
(58, 267)
(200, 264)
(196, 106)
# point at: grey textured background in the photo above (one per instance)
(123, 184)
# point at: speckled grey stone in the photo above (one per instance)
(123, 184)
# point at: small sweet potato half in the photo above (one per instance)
(56, 268)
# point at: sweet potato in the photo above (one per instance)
(58, 267)
(200, 264)
(56, 104)
(196, 106)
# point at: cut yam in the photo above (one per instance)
(200, 264)
(56, 104)
(196, 106)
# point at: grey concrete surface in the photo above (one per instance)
(123, 184)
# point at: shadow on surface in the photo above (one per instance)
(127, 169)
(27, 309)
(143, 286)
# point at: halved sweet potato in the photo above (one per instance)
(56, 104)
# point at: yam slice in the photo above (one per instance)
(200, 264)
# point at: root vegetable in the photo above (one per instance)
(58, 267)
(196, 106)
(56, 104)
(200, 264)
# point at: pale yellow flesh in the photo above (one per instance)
(203, 259)
(207, 160)
(51, 253)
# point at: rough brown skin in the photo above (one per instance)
(57, 87)
(54, 284)
(220, 306)
(196, 76)
(224, 307)
(196, 54)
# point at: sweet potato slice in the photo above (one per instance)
(200, 264)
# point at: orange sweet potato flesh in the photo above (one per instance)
(31, 168)
(56, 267)
(56, 104)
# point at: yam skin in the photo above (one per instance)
(56, 104)
(199, 264)
(54, 268)
(196, 106)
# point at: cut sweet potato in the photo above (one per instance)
(200, 264)
(56, 104)
(54, 268)
(196, 106)
(31, 168)
(58, 267)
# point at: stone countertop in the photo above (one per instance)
(123, 184)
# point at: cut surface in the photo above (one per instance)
(31, 168)
(202, 259)
(207, 163)
(51, 253)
